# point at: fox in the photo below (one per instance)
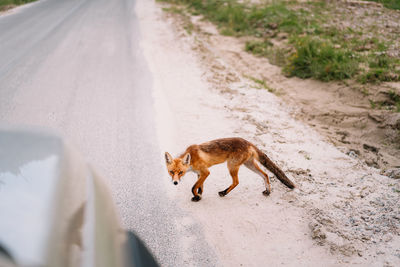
(235, 151)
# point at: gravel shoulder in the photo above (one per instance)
(342, 212)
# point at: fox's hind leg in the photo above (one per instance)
(252, 165)
(233, 170)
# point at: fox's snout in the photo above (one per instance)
(175, 179)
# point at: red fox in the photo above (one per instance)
(236, 151)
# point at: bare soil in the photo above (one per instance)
(341, 111)
(342, 210)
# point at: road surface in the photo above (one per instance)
(76, 68)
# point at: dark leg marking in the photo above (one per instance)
(266, 192)
(196, 198)
(223, 193)
(194, 193)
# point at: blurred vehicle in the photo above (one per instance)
(55, 210)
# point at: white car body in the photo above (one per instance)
(55, 210)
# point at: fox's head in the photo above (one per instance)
(177, 167)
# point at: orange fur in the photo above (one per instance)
(235, 151)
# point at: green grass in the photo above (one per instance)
(187, 23)
(380, 68)
(237, 18)
(4, 3)
(393, 102)
(393, 96)
(377, 75)
(174, 9)
(313, 49)
(257, 47)
(275, 55)
(261, 83)
(319, 59)
(392, 4)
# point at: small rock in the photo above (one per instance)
(366, 238)
(365, 218)
(376, 116)
(353, 221)
(353, 153)
(393, 121)
(370, 148)
(372, 163)
(317, 233)
(387, 238)
(393, 173)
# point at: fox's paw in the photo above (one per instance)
(196, 198)
(222, 193)
(266, 192)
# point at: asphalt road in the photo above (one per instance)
(76, 67)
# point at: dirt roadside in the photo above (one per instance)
(351, 115)
(12, 8)
(342, 211)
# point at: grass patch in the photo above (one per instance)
(373, 104)
(392, 103)
(365, 91)
(393, 96)
(275, 55)
(380, 68)
(319, 59)
(376, 75)
(392, 4)
(238, 18)
(187, 23)
(262, 83)
(7, 4)
(258, 47)
(174, 10)
(313, 46)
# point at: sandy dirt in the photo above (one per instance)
(340, 111)
(342, 211)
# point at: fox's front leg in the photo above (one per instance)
(200, 189)
(197, 188)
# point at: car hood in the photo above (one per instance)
(29, 174)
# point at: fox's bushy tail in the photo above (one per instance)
(267, 163)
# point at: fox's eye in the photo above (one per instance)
(180, 173)
(171, 172)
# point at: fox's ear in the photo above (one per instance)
(168, 158)
(186, 159)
